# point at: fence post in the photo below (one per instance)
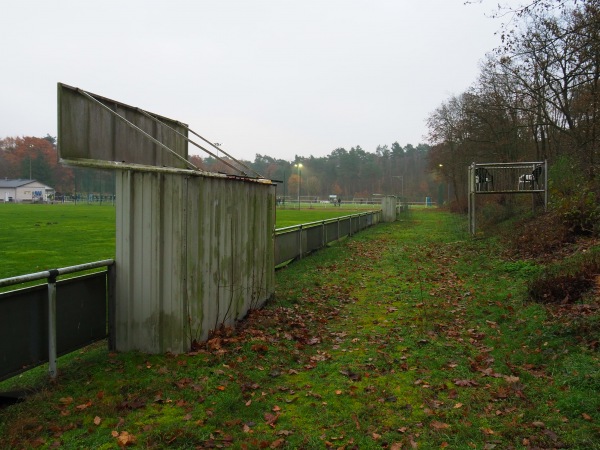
(300, 242)
(52, 323)
(111, 277)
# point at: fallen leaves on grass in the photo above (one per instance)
(124, 438)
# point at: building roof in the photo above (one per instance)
(6, 183)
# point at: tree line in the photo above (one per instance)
(537, 98)
(349, 174)
(37, 159)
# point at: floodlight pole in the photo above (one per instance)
(284, 191)
(299, 166)
(401, 184)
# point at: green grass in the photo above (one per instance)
(407, 334)
(34, 238)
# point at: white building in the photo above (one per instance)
(24, 191)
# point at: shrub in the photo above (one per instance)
(568, 280)
(576, 198)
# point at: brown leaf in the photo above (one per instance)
(278, 443)
(271, 418)
(97, 420)
(261, 348)
(84, 406)
(66, 400)
(124, 439)
(439, 425)
(586, 416)
(313, 341)
(466, 383)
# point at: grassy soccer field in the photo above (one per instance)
(40, 237)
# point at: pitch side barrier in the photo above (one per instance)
(40, 323)
(296, 241)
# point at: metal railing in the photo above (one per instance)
(41, 322)
(296, 241)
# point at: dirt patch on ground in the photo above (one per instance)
(547, 240)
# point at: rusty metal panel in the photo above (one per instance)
(92, 129)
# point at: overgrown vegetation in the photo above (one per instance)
(407, 335)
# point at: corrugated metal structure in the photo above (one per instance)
(193, 252)
(388, 208)
(194, 249)
(94, 127)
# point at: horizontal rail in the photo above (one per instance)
(321, 222)
(519, 191)
(30, 318)
(512, 165)
(295, 241)
(54, 272)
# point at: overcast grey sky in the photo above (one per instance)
(275, 77)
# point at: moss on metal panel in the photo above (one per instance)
(200, 256)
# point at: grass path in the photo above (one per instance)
(407, 335)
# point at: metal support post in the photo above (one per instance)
(111, 278)
(52, 359)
